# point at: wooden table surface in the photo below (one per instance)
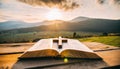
(111, 58)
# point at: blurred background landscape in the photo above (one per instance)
(85, 28)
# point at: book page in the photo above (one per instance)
(74, 45)
(42, 48)
(75, 49)
(41, 45)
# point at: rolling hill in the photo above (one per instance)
(16, 25)
(86, 24)
(78, 19)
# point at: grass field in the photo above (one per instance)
(109, 40)
(12, 37)
(34, 36)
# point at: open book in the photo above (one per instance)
(68, 48)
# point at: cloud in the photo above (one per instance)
(117, 2)
(14, 10)
(62, 4)
(25, 10)
(100, 1)
(2, 19)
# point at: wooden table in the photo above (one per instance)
(110, 58)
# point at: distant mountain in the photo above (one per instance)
(78, 19)
(9, 25)
(96, 25)
(88, 25)
(16, 25)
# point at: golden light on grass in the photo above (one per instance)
(54, 14)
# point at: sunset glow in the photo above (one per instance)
(54, 14)
(42, 10)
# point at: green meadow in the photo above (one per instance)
(109, 40)
(15, 37)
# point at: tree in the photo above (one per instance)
(74, 34)
(105, 34)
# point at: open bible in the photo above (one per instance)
(59, 47)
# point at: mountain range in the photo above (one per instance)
(76, 24)
(16, 25)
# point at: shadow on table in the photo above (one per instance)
(56, 62)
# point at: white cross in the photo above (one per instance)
(59, 40)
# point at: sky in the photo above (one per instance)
(31, 11)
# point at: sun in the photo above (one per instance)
(54, 14)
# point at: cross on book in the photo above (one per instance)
(60, 41)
